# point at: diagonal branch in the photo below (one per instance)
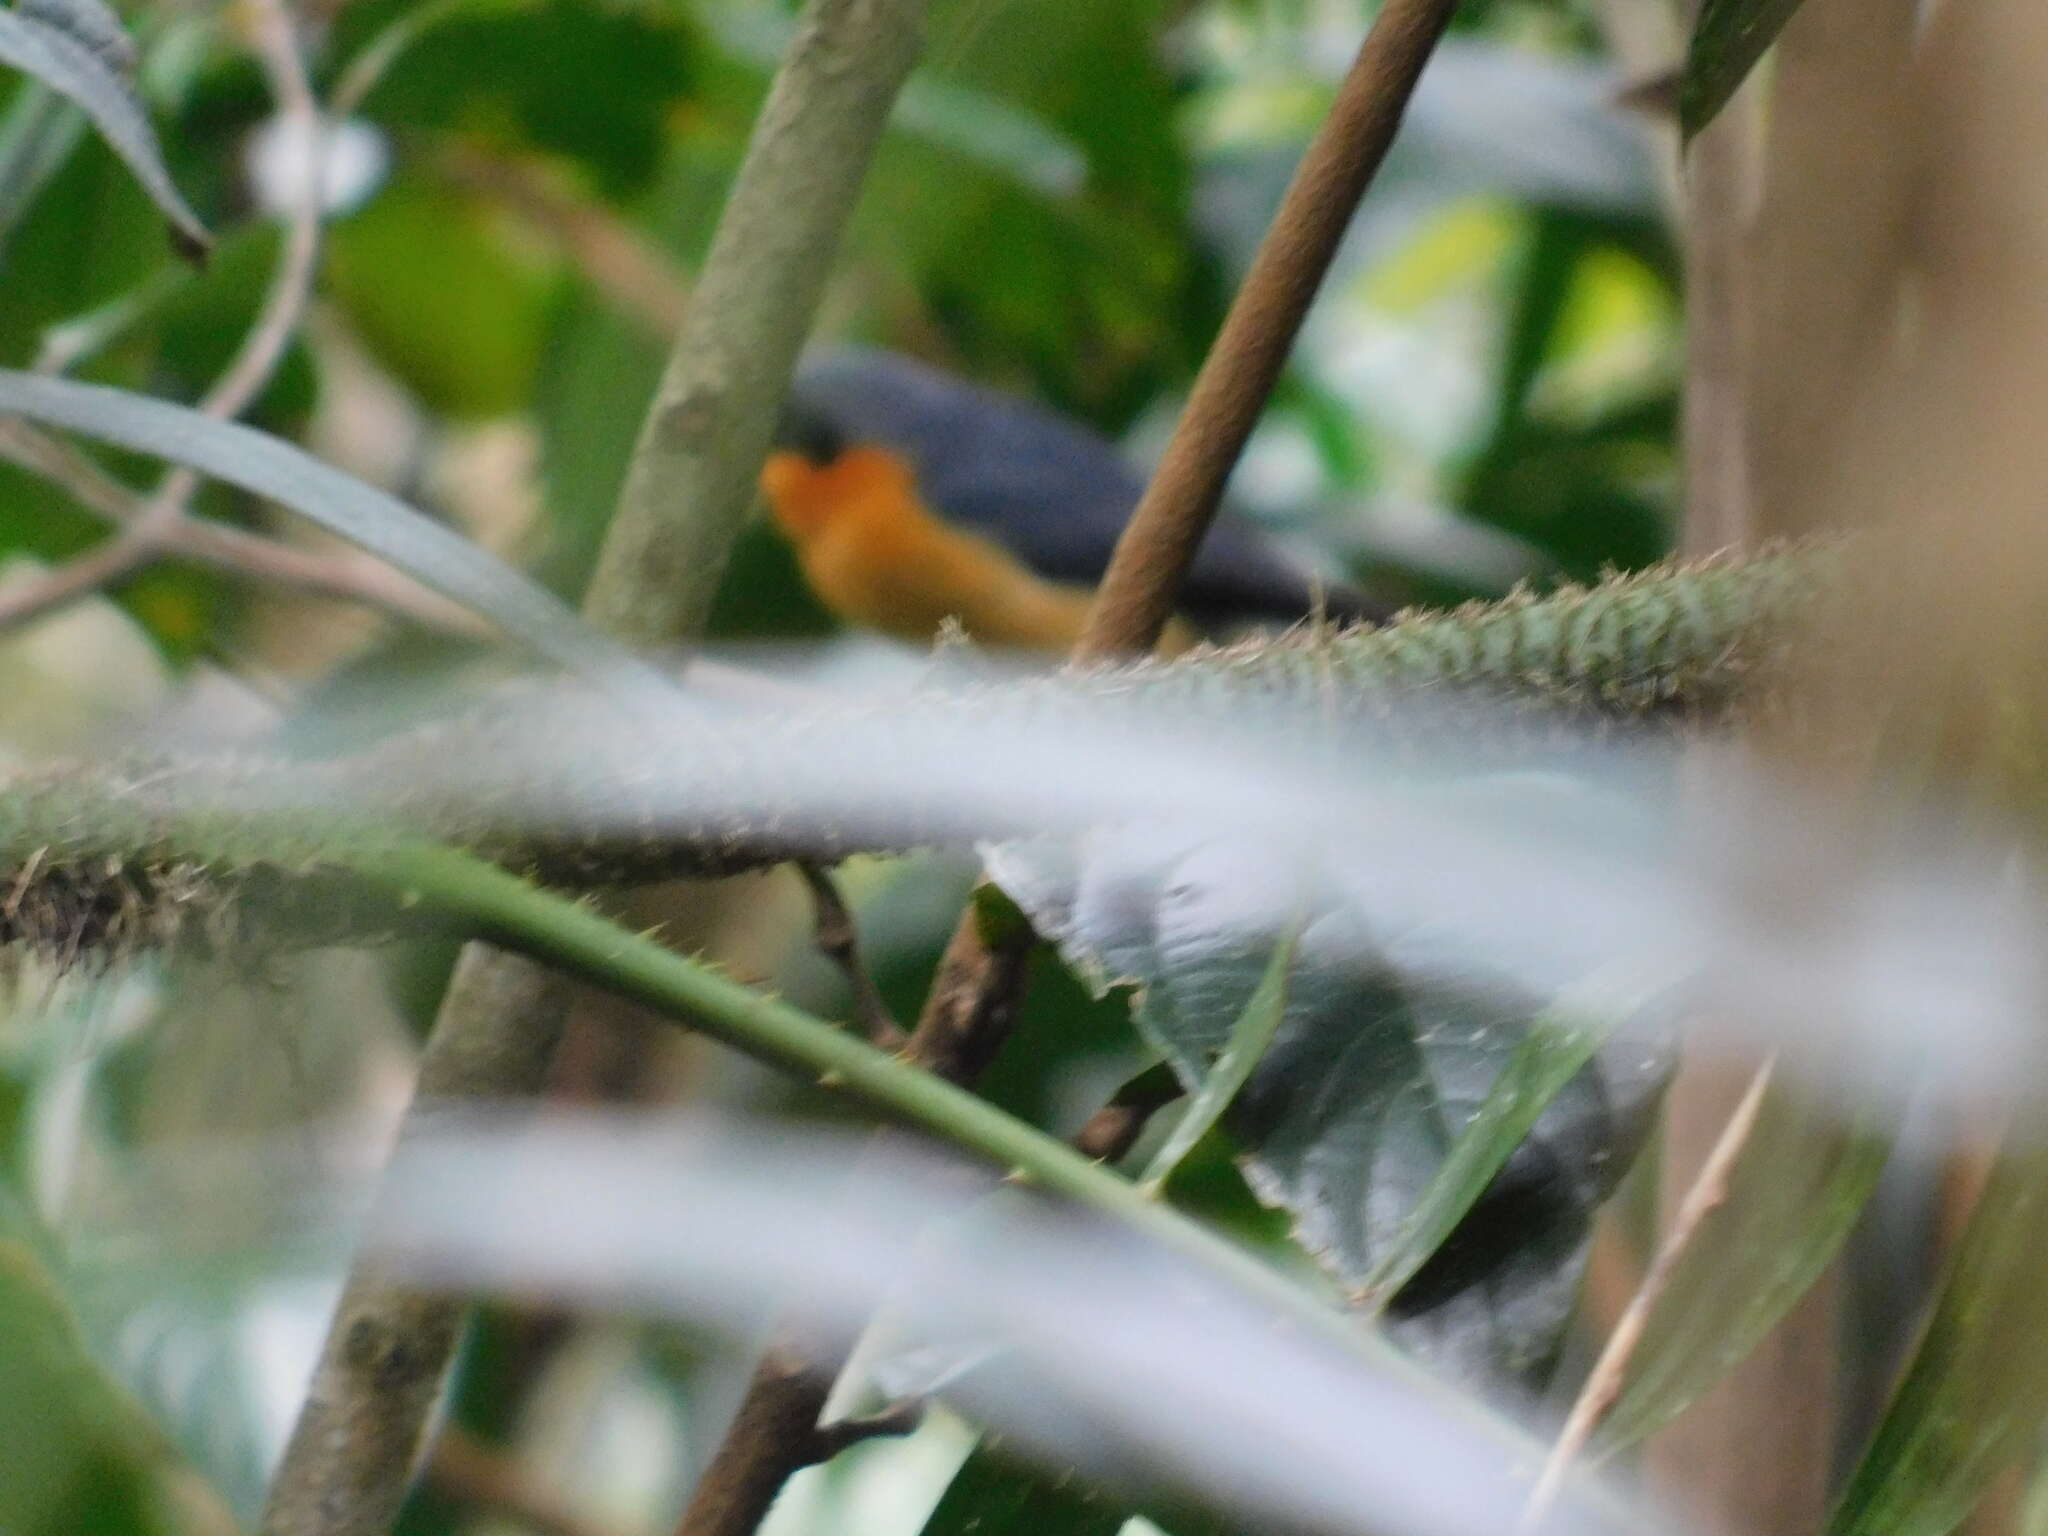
(688, 488)
(1143, 581)
(979, 988)
(1708, 1193)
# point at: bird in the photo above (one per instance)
(913, 499)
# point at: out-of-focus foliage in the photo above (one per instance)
(1066, 196)
(1728, 39)
(1803, 1178)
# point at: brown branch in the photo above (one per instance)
(1603, 1386)
(979, 988)
(688, 489)
(1115, 1128)
(839, 940)
(967, 1016)
(1143, 581)
(485, 1478)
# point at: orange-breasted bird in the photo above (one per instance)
(911, 497)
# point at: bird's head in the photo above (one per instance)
(815, 476)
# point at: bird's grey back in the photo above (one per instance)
(1050, 490)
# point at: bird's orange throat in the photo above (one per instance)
(806, 498)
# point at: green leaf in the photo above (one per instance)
(1975, 1397)
(1248, 1040)
(447, 303)
(76, 1453)
(1727, 41)
(599, 84)
(1794, 1192)
(1386, 1048)
(995, 1494)
(365, 516)
(37, 135)
(79, 71)
(1558, 1047)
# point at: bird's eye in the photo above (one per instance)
(804, 430)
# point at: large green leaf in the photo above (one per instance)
(599, 84)
(1061, 258)
(76, 68)
(360, 513)
(1727, 41)
(1801, 1180)
(1557, 1048)
(76, 1453)
(1388, 1048)
(1974, 1401)
(452, 307)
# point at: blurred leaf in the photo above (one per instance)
(90, 237)
(76, 1454)
(597, 371)
(1089, 293)
(1797, 1188)
(75, 677)
(994, 1494)
(437, 288)
(1727, 41)
(360, 513)
(200, 326)
(40, 130)
(1249, 1037)
(1974, 1400)
(1386, 1049)
(594, 83)
(79, 72)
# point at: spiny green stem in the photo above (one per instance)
(554, 783)
(572, 936)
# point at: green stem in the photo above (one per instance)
(558, 931)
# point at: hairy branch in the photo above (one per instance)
(556, 783)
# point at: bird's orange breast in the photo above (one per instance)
(876, 555)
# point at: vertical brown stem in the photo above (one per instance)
(980, 982)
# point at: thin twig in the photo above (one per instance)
(890, 1423)
(979, 988)
(345, 575)
(485, 1478)
(1707, 1194)
(1115, 1128)
(839, 940)
(688, 490)
(149, 531)
(1138, 592)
